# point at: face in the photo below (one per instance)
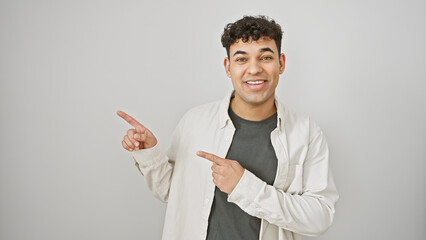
(254, 67)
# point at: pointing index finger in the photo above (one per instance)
(130, 120)
(211, 157)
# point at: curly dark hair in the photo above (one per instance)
(251, 28)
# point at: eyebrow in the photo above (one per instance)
(265, 49)
(239, 52)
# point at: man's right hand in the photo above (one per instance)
(138, 137)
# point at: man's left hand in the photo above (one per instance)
(226, 173)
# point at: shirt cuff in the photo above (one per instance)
(149, 156)
(246, 191)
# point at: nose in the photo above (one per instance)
(254, 68)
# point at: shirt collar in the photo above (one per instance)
(224, 118)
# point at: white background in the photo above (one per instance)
(356, 67)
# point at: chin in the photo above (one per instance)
(256, 100)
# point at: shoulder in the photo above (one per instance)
(298, 122)
(211, 108)
(291, 117)
(203, 114)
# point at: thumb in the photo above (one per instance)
(147, 138)
(150, 139)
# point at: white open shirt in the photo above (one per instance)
(300, 202)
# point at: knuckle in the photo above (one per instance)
(125, 146)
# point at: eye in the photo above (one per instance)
(266, 58)
(240, 60)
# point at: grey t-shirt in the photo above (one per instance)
(252, 148)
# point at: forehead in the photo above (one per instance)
(252, 46)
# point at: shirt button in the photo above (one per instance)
(206, 201)
(203, 232)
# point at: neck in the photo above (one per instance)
(253, 112)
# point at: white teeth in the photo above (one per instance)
(255, 82)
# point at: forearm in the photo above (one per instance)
(157, 169)
(308, 213)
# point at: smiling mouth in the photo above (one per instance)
(255, 82)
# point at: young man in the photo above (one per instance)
(245, 167)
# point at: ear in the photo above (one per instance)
(227, 67)
(282, 63)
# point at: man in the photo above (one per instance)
(245, 167)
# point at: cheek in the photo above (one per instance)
(237, 71)
(235, 83)
(273, 71)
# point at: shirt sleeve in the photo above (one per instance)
(157, 166)
(309, 212)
